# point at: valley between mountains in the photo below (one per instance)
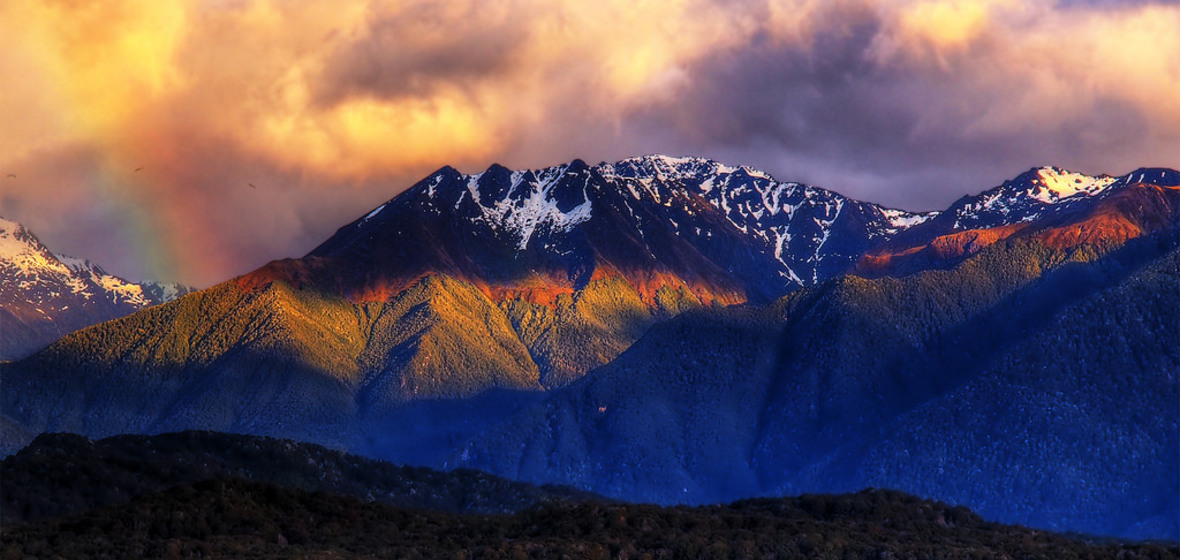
(680, 331)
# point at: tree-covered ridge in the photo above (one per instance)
(224, 517)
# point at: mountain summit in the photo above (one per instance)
(724, 234)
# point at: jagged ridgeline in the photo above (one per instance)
(680, 331)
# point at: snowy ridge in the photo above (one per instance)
(1030, 196)
(781, 231)
(29, 267)
(1156, 176)
(118, 289)
(1052, 185)
(164, 291)
(901, 219)
(793, 223)
(42, 278)
(529, 205)
(792, 220)
(651, 169)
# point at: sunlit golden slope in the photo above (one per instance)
(279, 360)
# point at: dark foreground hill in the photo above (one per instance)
(232, 517)
(64, 474)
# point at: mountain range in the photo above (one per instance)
(44, 296)
(676, 330)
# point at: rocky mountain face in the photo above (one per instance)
(44, 296)
(578, 324)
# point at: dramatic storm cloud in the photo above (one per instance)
(195, 140)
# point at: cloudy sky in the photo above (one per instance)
(195, 140)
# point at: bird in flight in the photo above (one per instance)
(251, 185)
(12, 176)
(137, 169)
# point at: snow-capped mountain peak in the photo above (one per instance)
(1052, 184)
(1034, 194)
(20, 249)
(800, 234)
(50, 294)
(530, 204)
(663, 168)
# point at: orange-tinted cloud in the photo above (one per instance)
(329, 107)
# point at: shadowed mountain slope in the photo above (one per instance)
(1038, 385)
